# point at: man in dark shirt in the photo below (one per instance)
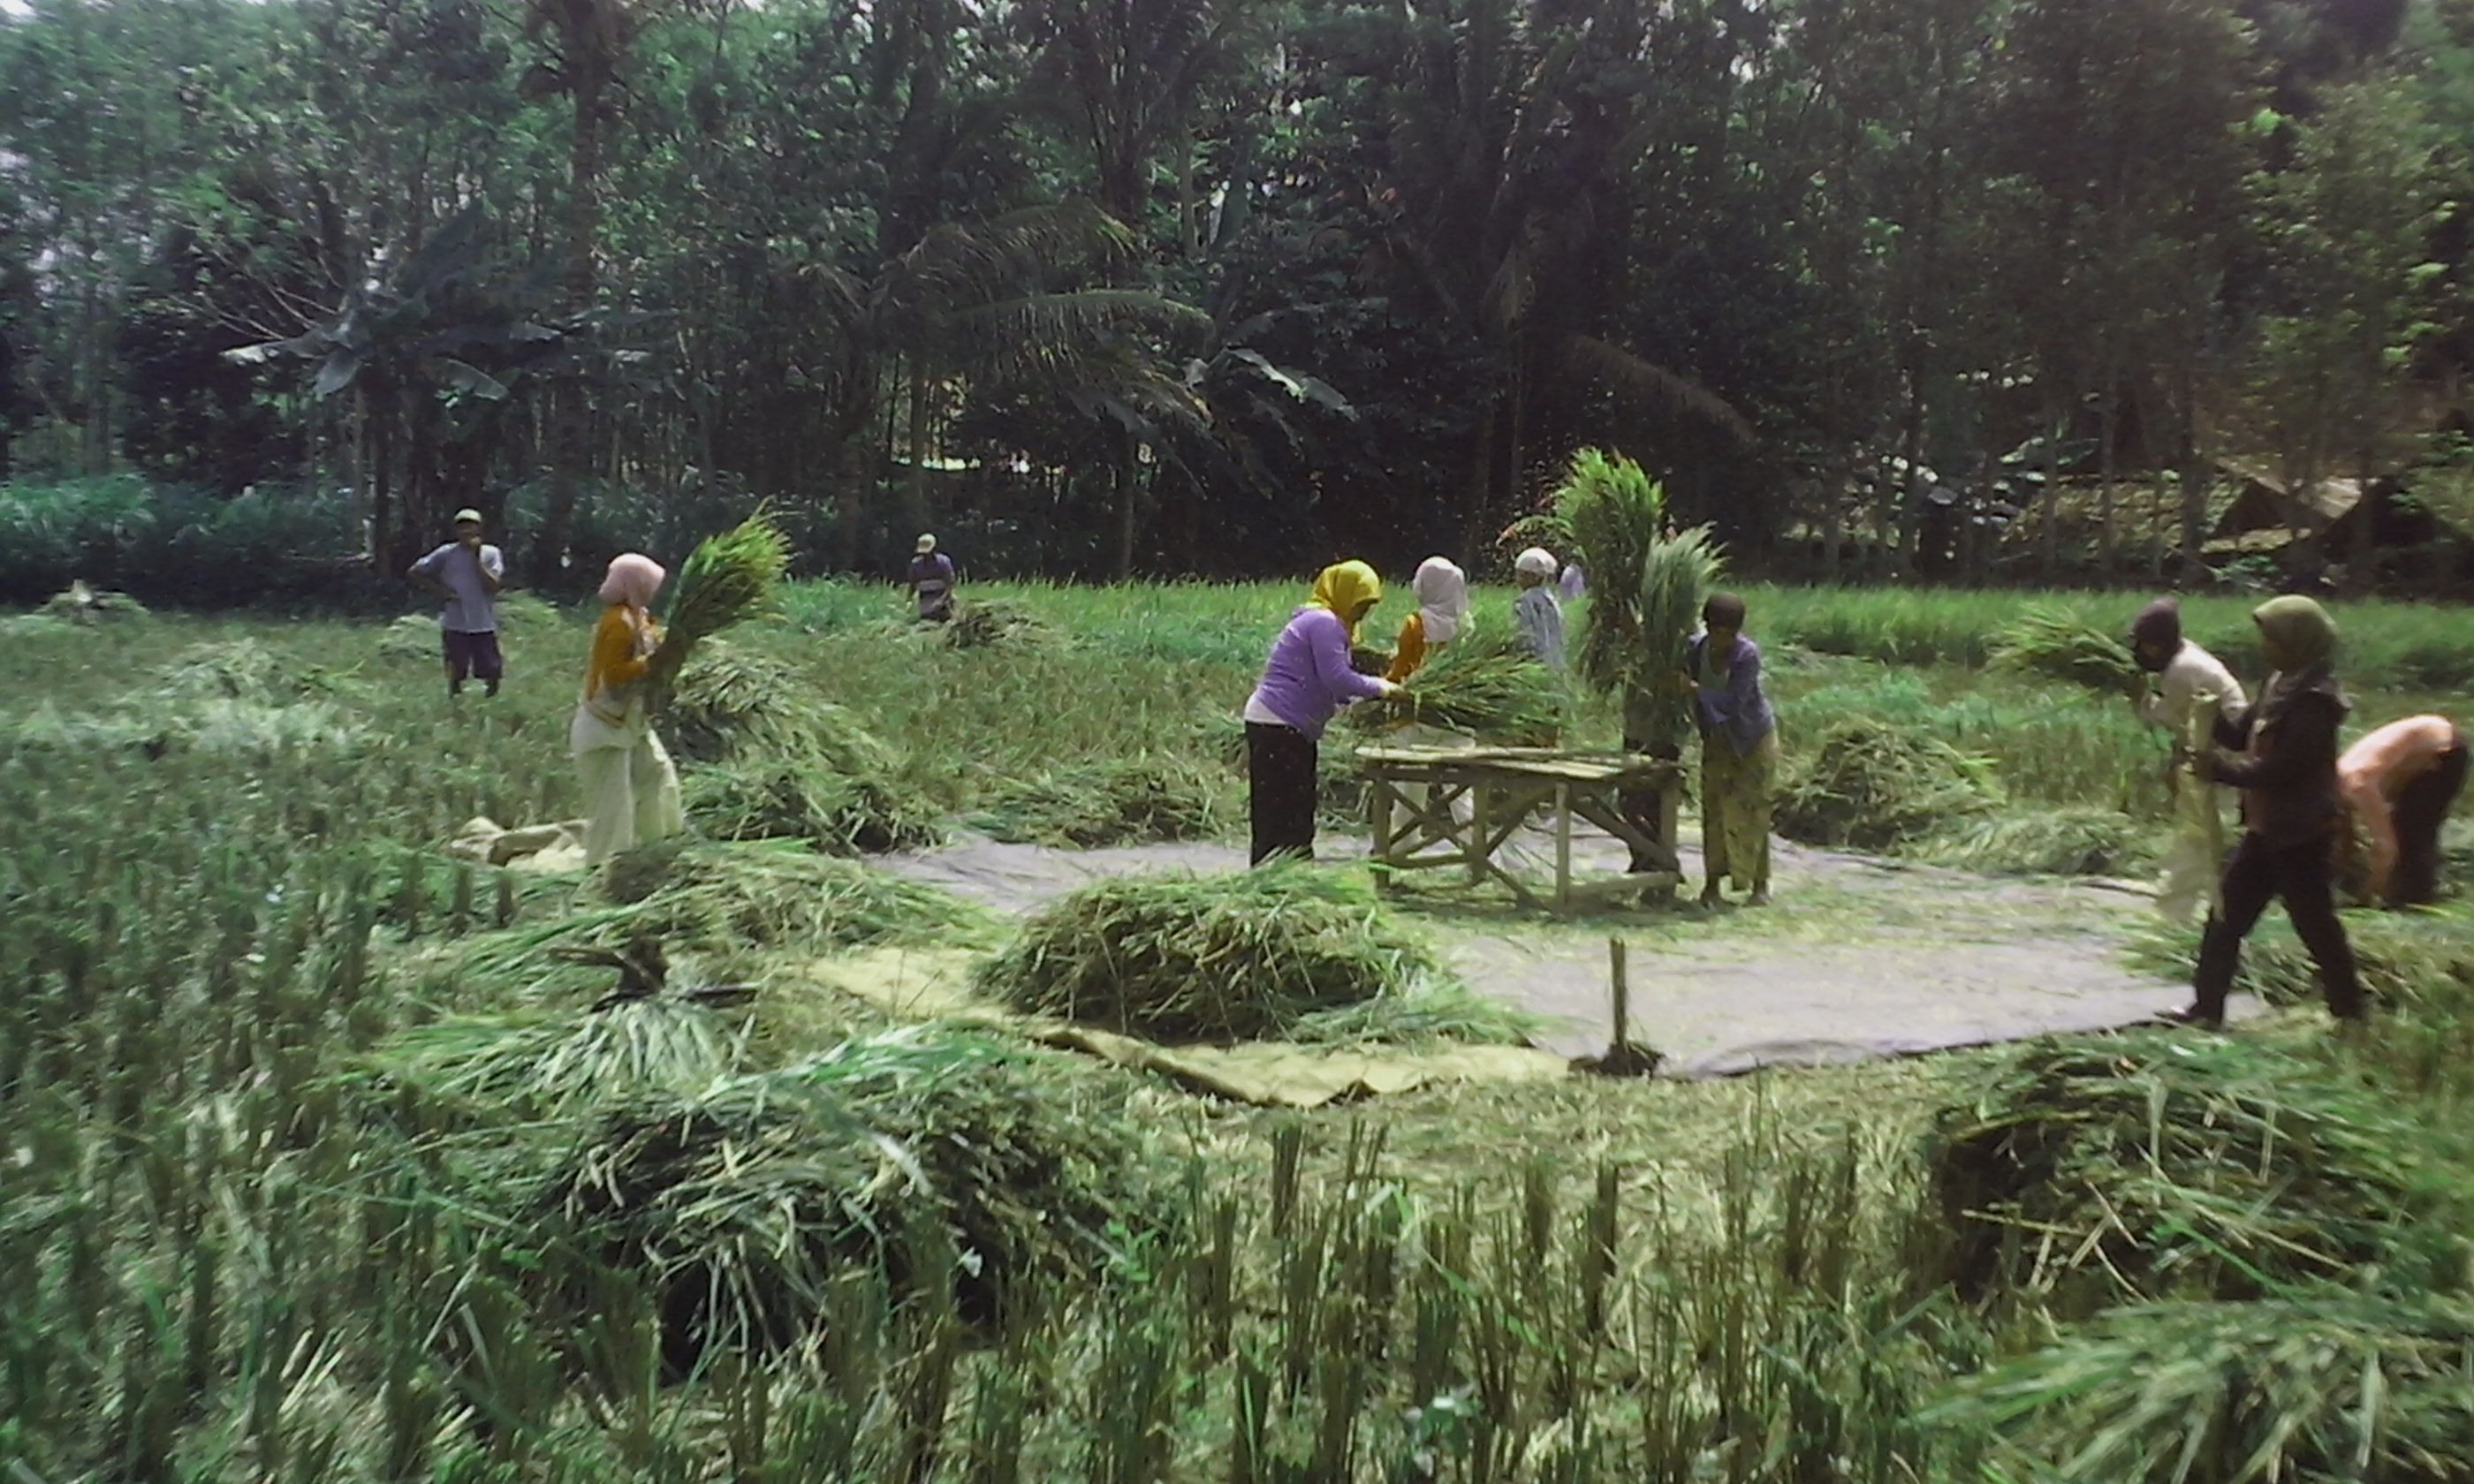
(931, 582)
(2291, 810)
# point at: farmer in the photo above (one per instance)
(1307, 678)
(2291, 812)
(2185, 674)
(930, 581)
(468, 574)
(1574, 582)
(631, 792)
(1442, 592)
(1738, 750)
(2399, 781)
(1535, 611)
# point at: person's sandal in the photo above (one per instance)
(2191, 1015)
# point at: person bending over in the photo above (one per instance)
(2399, 780)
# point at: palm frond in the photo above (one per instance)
(968, 263)
(1667, 393)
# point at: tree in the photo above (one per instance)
(2347, 228)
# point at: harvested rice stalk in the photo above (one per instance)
(2064, 842)
(2154, 1166)
(547, 1066)
(744, 1205)
(729, 578)
(986, 624)
(1645, 591)
(2331, 1385)
(1182, 959)
(780, 895)
(804, 799)
(1130, 801)
(1871, 784)
(2052, 643)
(1486, 685)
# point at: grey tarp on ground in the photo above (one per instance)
(1717, 1006)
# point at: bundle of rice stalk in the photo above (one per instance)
(246, 670)
(729, 578)
(1129, 801)
(2151, 1165)
(993, 623)
(1486, 683)
(778, 896)
(806, 800)
(2052, 643)
(1871, 784)
(2333, 1386)
(547, 1066)
(2061, 842)
(1645, 591)
(1183, 959)
(745, 1204)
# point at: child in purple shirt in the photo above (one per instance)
(1307, 678)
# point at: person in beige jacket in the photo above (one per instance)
(2187, 677)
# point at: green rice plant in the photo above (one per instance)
(1206, 959)
(2324, 1386)
(2063, 842)
(2052, 643)
(2154, 1165)
(1872, 784)
(1135, 801)
(745, 1204)
(1487, 685)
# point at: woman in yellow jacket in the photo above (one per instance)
(631, 791)
(1442, 592)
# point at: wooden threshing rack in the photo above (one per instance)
(1442, 808)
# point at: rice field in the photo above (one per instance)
(327, 1154)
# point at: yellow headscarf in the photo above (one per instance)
(1341, 587)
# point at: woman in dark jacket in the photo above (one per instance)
(2286, 772)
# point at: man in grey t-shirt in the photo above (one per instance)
(468, 574)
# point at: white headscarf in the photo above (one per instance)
(1442, 589)
(1536, 561)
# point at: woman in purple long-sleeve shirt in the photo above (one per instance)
(1307, 678)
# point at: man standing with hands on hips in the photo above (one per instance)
(468, 574)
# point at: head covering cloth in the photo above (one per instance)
(2307, 638)
(1343, 588)
(1535, 561)
(1442, 590)
(634, 579)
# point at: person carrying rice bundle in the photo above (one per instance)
(2190, 682)
(2399, 780)
(1442, 590)
(1306, 678)
(1739, 751)
(631, 791)
(2291, 809)
(1537, 610)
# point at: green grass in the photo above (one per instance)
(288, 1098)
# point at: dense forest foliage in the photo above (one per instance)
(1881, 288)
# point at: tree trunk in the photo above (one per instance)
(1911, 441)
(571, 408)
(915, 490)
(2049, 538)
(2106, 427)
(2195, 481)
(1128, 496)
(2362, 569)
